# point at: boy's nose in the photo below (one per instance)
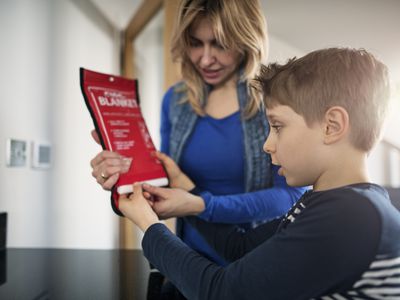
(268, 145)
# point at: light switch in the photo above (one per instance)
(16, 153)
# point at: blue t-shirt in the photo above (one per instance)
(214, 155)
(214, 159)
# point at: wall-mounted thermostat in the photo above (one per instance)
(41, 155)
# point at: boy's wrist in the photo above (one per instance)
(145, 223)
(144, 220)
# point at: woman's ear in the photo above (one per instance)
(336, 124)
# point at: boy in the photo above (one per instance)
(342, 239)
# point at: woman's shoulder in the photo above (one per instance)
(179, 87)
(175, 93)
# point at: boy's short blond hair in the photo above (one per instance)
(350, 78)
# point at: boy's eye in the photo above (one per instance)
(276, 128)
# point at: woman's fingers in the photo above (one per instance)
(156, 191)
(169, 164)
(108, 164)
(106, 167)
(95, 136)
(109, 182)
(165, 159)
(104, 155)
(109, 168)
(147, 195)
(161, 156)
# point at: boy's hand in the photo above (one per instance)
(137, 208)
(169, 203)
(177, 179)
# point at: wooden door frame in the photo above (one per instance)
(147, 10)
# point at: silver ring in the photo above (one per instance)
(103, 176)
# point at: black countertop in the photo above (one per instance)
(73, 274)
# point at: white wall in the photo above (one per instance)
(149, 66)
(24, 74)
(44, 42)
(81, 211)
(280, 50)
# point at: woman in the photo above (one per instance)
(220, 45)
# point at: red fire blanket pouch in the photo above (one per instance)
(113, 103)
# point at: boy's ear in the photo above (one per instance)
(336, 124)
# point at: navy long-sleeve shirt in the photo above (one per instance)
(343, 242)
(213, 158)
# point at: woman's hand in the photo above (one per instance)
(137, 208)
(177, 179)
(169, 203)
(107, 165)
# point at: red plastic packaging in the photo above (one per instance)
(113, 103)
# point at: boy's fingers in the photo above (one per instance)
(137, 189)
(123, 197)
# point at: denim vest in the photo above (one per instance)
(255, 131)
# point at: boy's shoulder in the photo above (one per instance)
(369, 191)
(350, 205)
(374, 194)
(364, 207)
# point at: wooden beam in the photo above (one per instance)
(171, 69)
(129, 235)
(143, 15)
(127, 52)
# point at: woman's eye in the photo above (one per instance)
(194, 43)
(218, 45)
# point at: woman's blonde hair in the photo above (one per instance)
(238, 25)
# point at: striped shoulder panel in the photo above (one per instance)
(380, 281)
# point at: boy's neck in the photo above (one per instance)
(344, 170)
